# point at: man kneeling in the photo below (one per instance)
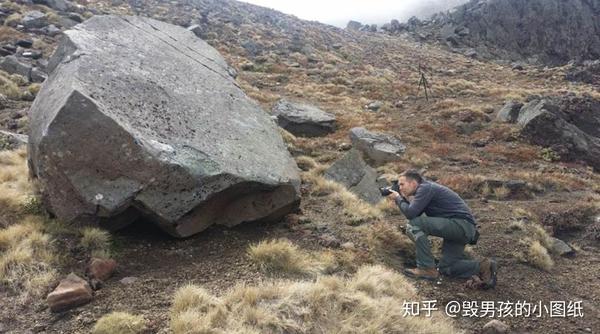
(438, 211)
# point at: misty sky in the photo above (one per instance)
(339, 12)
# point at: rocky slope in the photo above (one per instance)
(540, 31)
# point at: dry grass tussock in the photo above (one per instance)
(27, 254)
(356, 211)
(387, 244)
(534, 247)
(281, 256)
(368, 302)
(27, 258)
(120, 323)
(15, 188)
(96, 242)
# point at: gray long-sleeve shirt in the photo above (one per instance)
(435, 200)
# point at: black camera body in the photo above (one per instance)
(386, 191)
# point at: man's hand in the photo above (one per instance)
(394, 194)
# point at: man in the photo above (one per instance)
(438, 211)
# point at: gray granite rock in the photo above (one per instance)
(142, 118)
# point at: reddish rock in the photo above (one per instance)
(101, 269)
(71, 292)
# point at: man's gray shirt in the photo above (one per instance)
(435, 200)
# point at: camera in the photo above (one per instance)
(386, 191)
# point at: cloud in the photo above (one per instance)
(339, 12)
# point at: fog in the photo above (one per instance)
(339, 12)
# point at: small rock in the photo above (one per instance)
(344, 146)
(495, 327)
(101, 269)
(75, 17)
(561, 248)
(348, 245)
(34, 19)
(329, 240)
(25, 43)
(196, 29)
(379, 147)
(51, 30)
(71, 292)
(510, 112)
(37, 75)
(303, 120)
(128, 280)
(374, 106)
(32, 54)
(398, 104)
(517, 66)
(12, 65)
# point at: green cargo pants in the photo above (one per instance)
(456, 234)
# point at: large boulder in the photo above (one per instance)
(543, 122)
(569, 125)
(142, 118)
(379, 147)
(510, 112)
(302, 119)
(354, 173)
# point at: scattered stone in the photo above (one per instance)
(37, 75)
(51, 30)
(12, 65)
(354, 173)
(12, 139)
(374, 106)
(510, 112)
(34, 19)
(190, 151)
(303, 120)
(588, 72)
(517, 66)
(58, 5)
(354, 25)
(344, 147)
(379, 147)
(25, 43)
(32, 54)
(329, 241)
(75, 17)
(128, 280)
(561, 248)
(471, 53)
(348, 245)
(101, 269)
(495, 327)
(5, 52)
(196, 29)
(71, 292)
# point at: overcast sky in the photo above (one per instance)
(339, 12)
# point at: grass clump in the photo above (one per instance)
(96, 242)
(538, 256)
(280, 256)
(15, 188)
(120, 323)
(368, 302)
(27, 258)
(8, 87)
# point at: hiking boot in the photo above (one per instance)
(422, 273)
(488, 271)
